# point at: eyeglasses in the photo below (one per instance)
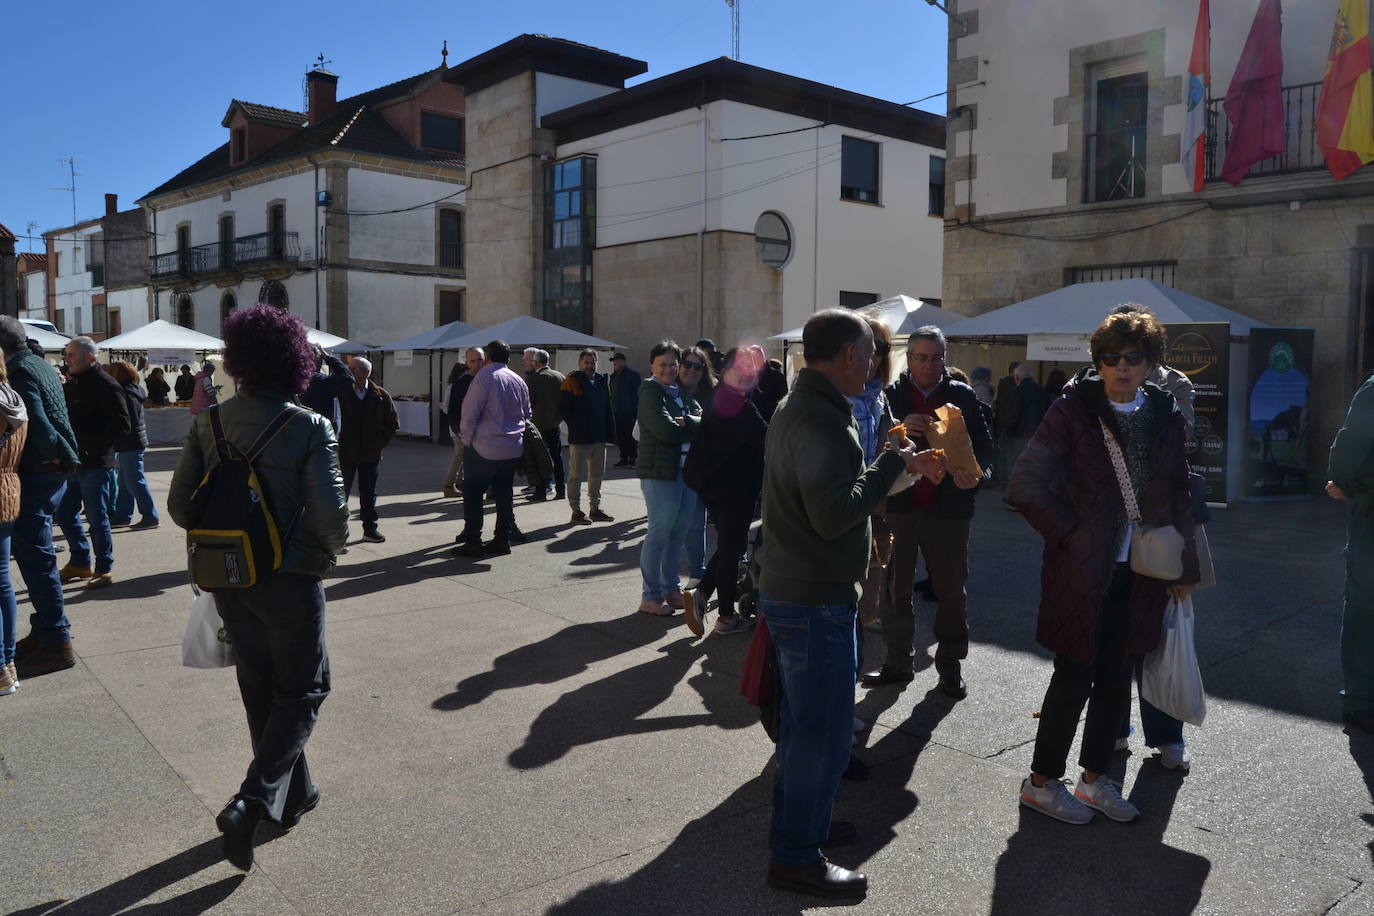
(1134, 358)
(696, 367)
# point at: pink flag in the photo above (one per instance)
(1254, 103)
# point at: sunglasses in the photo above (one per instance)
(695, 366)
(1134, 358)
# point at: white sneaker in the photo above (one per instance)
(1053, 799)
(1175, 757)
(1105, 796)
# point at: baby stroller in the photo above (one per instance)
(747, 591)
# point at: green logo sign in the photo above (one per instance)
(1281, 357)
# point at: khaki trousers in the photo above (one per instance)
(586, 462)
(944, 544)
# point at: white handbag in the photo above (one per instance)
(1156, 550)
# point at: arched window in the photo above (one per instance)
(186, 312)
(772, 240)
(273, 293)
(227, 303)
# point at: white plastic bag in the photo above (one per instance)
(206, 644)
(1170, 677)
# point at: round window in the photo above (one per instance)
(772, 240)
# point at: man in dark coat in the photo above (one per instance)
(369, 424)
(1350, 470)
(625, 401)
(99, 418)
(585, 405)
(546, 386)
(931, 519)
(1003, 410)
(49, 456)
(326, 388)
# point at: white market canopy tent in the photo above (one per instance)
(901, 314)
(48, 340)
(162, 335)
(324, 338)
(433, 339)
(528, 331)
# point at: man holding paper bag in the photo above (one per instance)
(933, 518)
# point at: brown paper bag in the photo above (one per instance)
(948, 432)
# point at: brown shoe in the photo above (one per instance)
(821, 878)
(655, 606)
(8, 681)
(71, 573)
(452, 492)
(47, 659)
(675, 599)
(100, 580)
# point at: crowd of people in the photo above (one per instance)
(853, 499)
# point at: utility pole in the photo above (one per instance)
(734, 27)
(70, 162)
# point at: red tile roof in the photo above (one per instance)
(6, 234)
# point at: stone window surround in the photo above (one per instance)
(445, 288)
(1073, 110)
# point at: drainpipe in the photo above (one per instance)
(701, 233)
(156, 312)
(319, 246)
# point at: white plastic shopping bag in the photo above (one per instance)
(205, 644)
(1170, 677)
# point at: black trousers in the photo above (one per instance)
(1105, 686)
(277, 629)
(479, 474)
(553, 441)
(367, 490)
(732, 537)
(625, 437)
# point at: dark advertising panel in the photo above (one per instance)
(1277, 413)
(1201, 352)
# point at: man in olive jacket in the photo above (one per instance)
(817, 499)
(369, 424)
(545, 384)
(100, 418)
(49, 455)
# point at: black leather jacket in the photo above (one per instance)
(299, 471)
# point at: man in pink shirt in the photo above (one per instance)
(493, 431)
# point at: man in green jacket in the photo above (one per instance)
(817, 498)
(1351, 477)
(545, 386)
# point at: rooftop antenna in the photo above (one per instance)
(70, 162)
(734, 28)
(33, 227)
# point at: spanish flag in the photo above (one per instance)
(1345, 111)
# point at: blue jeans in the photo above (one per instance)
(696, 542)
(816, 652)
(93, 487)
(39, 492)
(670, 504)
(133, 488)
(9, 608)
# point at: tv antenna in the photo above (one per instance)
(33, 227)
(734, 27)
(70, 162)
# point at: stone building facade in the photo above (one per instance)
(1035, 205)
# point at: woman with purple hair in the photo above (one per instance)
(277, 625)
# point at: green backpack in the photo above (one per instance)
(234, 541)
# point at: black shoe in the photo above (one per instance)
(821, 878)
(560, 493)
(495, 548)
(597, 515)
(953, 687)
(516, 536)
(472, 549)
(292, 818)
(622, 463)
(145, 524)
(25, 645)
(539, 496)
(857, 771)
(885, 675)
(373, 535)
(237, 822)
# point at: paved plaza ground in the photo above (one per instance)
(509, 737)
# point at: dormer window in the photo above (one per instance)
(441, 132)
(240, 144)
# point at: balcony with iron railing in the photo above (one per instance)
(262, 249)
(1300, 154)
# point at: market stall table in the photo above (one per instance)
(413, 417)
(167, 425)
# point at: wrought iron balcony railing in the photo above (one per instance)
(245, 251)
(1300, 153)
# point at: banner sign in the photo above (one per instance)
(1059, 347)
(1201, 352)
(404, 357)
(171, 357)
(1277, 413)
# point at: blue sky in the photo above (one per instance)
(136, 91)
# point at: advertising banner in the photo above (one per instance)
(1058, 347)
(1277, 413)
(1201, 352)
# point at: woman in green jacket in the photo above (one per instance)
(668, 419)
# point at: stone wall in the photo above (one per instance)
(1260, 257)
(646, 291)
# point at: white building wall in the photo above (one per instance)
(652, 178)
(409, 237)
(1023, 54)
(386, 307)
(36, 294)
(132, 304)
(249, 206)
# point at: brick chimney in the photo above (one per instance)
(322, 86)
(111, 204)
